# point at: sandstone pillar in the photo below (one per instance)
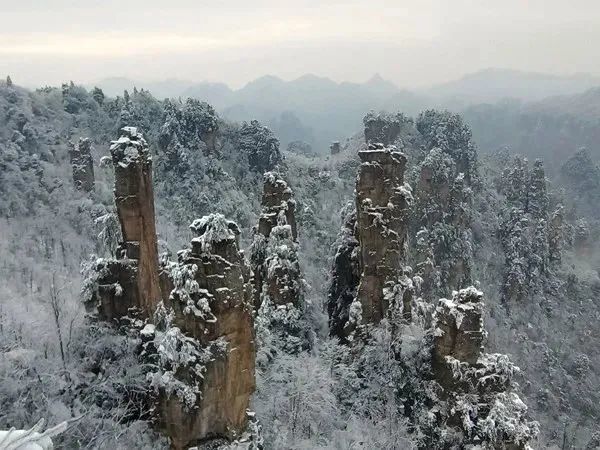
(382, 204)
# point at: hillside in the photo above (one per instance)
(383, 293)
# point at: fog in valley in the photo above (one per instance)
(299, 225)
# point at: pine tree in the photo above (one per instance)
(98, 95)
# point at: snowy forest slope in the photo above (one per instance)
(54, 365)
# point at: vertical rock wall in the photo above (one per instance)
(199, 337)
(274, 249)
(459, 332)
(212, 307)
(82, 165)
(129, 284)
(382, 203)
(134, 199)
(368, 269)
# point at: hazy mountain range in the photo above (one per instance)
(318, 110)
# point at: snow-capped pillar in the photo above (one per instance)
(382, 203)
(208, 395)
(458, 327)
(274, 249)
(134, 199)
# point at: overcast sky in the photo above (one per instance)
(412, 43)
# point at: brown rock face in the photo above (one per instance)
(82, 164)
(134, 199)
(274, 260)
(459, 332)
(131, 281)
(200, 339)
(276, 201)
(381, 224)
(463, 372)
(211, 302)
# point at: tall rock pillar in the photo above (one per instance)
(382, 203)
(274, 249)
(131, 281)
(206, 395)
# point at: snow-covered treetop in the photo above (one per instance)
(379, 153)
(261, 146)
(276, 180)
(468, 295)
(130, 147)
(213, 229)
(448, 132)
(187, 122)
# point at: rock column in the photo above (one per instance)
(382, 203)
(274, 249)
(212, 308)
(131, 281)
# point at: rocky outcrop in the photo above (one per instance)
(383, 128)
(134, 200)
(459, 331)
(278, 205)
(346, 277)
(206, 396)
(368, 272)
(198, 337)
(382, 202)
(82, 164)
(131, 281)
(274, 249)
(465, 396)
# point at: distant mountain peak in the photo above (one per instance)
(380, 83)
(377, 78)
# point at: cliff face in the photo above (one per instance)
(274, 250)
(369, 264)
(382, 204)
(199, 333)
(459, 331)
(277, 201)
(475, 389)
(346, 277)
(132, 279)
(82, 164)
(211, 306)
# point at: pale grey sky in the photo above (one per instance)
(412, 43)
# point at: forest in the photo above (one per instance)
(171, 277)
